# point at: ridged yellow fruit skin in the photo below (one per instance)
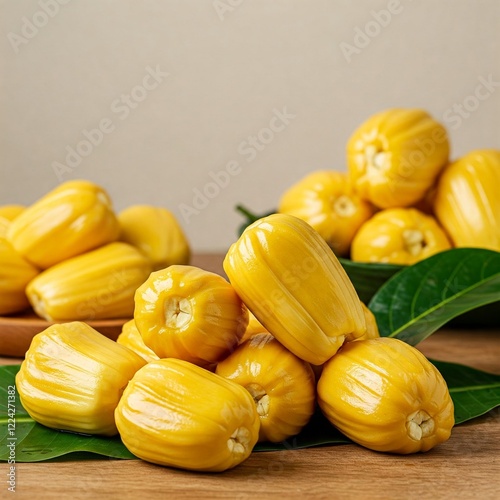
(385, 395)
(293, 283)
(327, 202)
(253, 328)
(131, 337)
(10, 212)
(282, 385)
(188, 313)
(7, 214)
(96, 285)
(15, 274)
(176, 414)
(399, 236)
(467, 203)
(157, 233)
(395, 156)
(72, 378)
(371, 325)
(74, 218)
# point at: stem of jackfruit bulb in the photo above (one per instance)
(250, 216)
(344, 206)
(260, 397)
(419, 425)
(239, 441)
(414, 241)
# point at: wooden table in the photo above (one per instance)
(466, 466)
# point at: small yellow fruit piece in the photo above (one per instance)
(399, 236)
(7, 214)
(396, 155)
(253, 328)
(131, 337)
(15, 274)
(282, 385)
(327, 202)
(177, 414)
(387, 396)
(188, 313)
(467, 201)
(72, 219)
(371, 325)
(73, 377)
(291, 280)
(157, 233)
(96, 285)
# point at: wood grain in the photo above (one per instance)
(466, 466)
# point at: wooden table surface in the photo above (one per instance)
(466, 466)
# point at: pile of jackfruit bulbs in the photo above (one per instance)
(208, 367)
(195, 381)
(69, 256)
(401, 199)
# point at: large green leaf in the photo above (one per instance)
(316, 433)
(421, 298)
(368, 278)
(474, 393)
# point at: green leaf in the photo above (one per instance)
(32, 442)
(474, 392)
(316, 433)
(421, 298)
(368, 278)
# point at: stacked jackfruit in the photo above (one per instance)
(71, 257)
(193, 383)
(401, 200)
(208, 367)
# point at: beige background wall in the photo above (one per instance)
(320, 67)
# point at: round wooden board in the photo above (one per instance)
(16, 331)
